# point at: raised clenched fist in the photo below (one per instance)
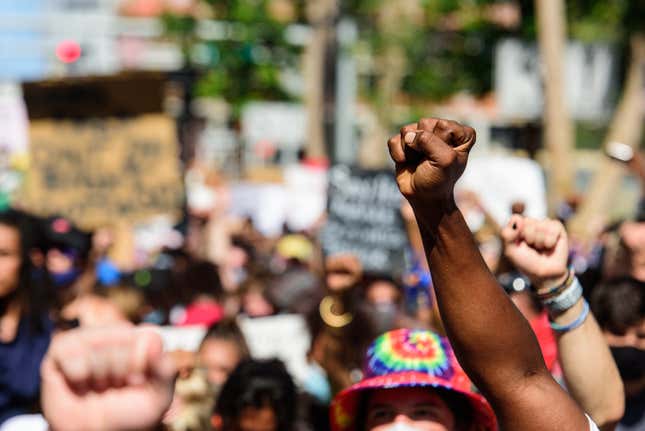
(538, 248)
(430, 157)
(107, 379)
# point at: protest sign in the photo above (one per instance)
(186, 338)
(103, 171)
(364, 218)
(285, 337)
(500, 181)
(13, 141)
(264, 203)
(306, 189)
(590, 75)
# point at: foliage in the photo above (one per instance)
(442, 59)
(247, 62)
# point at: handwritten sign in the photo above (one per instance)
(102, 171)
(364, 218)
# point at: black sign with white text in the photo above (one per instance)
(364, 218)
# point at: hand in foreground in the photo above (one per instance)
(538, 248)
(343, 271)
(108, 379)
(430, 157)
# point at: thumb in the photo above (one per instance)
(512, 232)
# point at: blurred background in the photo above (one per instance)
(254, 86)
(197, 161)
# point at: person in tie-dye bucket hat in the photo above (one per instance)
(413, 375)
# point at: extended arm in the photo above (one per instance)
(539, 248)
(492, 340)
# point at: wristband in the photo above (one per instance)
(555, 291)
(576, 323)
(566, 299)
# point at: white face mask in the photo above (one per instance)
(399, 426)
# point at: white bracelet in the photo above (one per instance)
(566, 299)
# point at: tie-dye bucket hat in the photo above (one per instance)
(410, 358)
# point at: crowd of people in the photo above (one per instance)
(469, 338)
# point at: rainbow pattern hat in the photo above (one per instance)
(410, 358)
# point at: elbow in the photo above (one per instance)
(612, 410)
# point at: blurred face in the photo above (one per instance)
(219, 357)
(628, 350)
(255, 305)
(58, 262)
(257, 419)
(413, 409)
(382, 292)
(10, 259)
(634, 337)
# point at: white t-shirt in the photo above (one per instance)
(25, 422)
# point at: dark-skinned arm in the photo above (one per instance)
(492, 340)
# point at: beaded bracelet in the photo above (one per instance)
(555, 291)
(576, 323)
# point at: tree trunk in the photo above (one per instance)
(559, 138)
(626, 127)
(320, 14)
(396, 17)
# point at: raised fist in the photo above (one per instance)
(538, 248)
(107, 379)
(430, 157)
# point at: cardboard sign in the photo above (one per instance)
(100, 172)
(88, 97)
(364, 219)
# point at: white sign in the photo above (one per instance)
(186, 338)
(13, 118)
(282, 124)
(306, 189)
(14, 142)
(285, 337)
(590, 78)
(501, 181)
(265, 204)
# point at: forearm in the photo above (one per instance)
(484, 326)
(589, 369)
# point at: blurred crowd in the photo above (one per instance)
(56, 278)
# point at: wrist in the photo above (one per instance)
(541, 285)
(429, 212)
(561, 297)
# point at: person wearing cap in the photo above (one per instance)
(492, 341)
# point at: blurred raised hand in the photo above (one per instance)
(538, 248)
(343, 271)
(108, 379)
